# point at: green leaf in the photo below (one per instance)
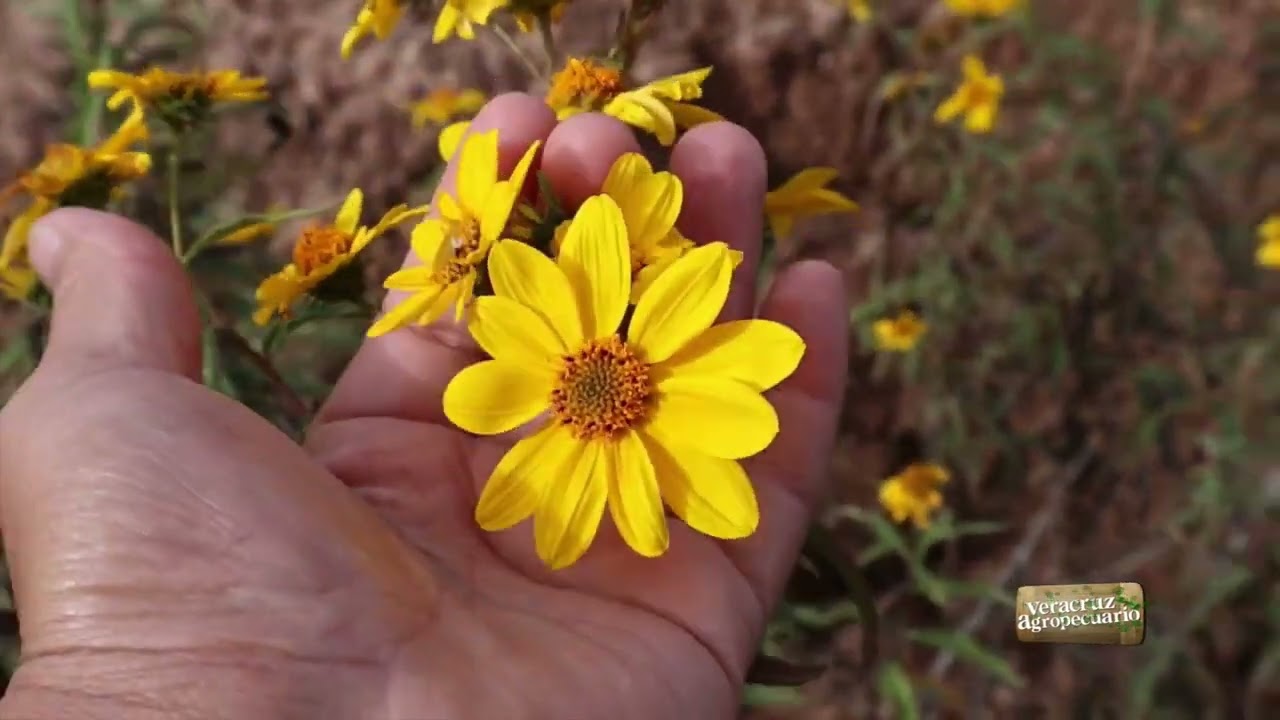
(895, 685)
(885, 532)
(966, 649)
(222, 231)
(761, 696)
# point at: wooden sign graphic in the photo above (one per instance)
(1093, 613)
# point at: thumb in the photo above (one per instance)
(120, 298)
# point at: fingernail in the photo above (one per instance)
(46, 246)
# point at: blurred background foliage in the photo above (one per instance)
(1099, 371)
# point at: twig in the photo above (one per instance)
(548, 41)
(1045, 519)
(520, 54)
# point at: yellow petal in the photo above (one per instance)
(501, 198)
(532, 279)
(418, 307)
(634, 499)
(951, 108)
(1268, 255)
(711, 495)
(685, 86)
(477, 169)
(722, 418)
(569, 515)
(981, 119)
(521, 479)
(650, 202)
(450, 137)
(759, 353)
(494, 397)
(349, 214)
(430, 243)
(688, 115)
(597, 261)
(645, 112)
(446, 23)
(512, 332)
(682, 302)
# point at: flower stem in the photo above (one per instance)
(521, 55)
(175, 216)
(548, 41)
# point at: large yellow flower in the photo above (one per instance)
(179, 99)
(1268, 253)
(586, 85)
(459, 17)
(631, 414)
(378, 18)
(977, 98)
(452, 247)
(68, 175)
(900, 333)
(320, 252)
(982, 8)
(443, 104)
(805, 194)
(913, 493)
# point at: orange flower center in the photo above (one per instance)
(466, 236)
(584, 84)
(320, 246)
(602, 391)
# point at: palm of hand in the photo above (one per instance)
(207, 553)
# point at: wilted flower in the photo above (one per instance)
(977, 98)
(453, 246)
(179, 99)
(805, 194)
(586, 85)
(913, 493)
(659, 411)
(444, 104)
(900, 333)
(321, 252)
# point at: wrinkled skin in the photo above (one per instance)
(174, 556)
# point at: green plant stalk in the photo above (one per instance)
(548, 41)
(174, 162)
(514, 47)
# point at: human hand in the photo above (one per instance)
(173, 555)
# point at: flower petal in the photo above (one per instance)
(410, 310)
(521, 479)
(512, 332)
(688, 115)
(597, 261)
(643, 110)
(759, 353)
(450, 136)
(650, 202)
(634, 499)
(711, 495)
(722, 418)
(569, 515)
(520, 272)
(682, 302)
(493, 397)
(477, 168)
(349, 214)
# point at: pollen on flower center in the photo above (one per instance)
(602, 390)
(584, 83)
(320, 246)
(466, 237)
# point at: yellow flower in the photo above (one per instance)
(982, 8)
(1268, 253)
(586, 85)
(459, 17)
(378, 18)
(660, 412)
(320, 252)
(449, 138)
(180, 100)
(444, 104)
(913, 493)
(650, 204)
(526, 12)
(898, 334)
(978, 98)
(69, 175)
(453, 245)
(805, 194)
(859, 10)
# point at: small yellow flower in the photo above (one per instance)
(805, 194)
(631, 419)
(900, 333)
(982, 8)
(913, 493)
(459, 17)
(449, 138)
(586, 85)
(444, 104)
(69, 175)
(859, 10)
(1268, 253)
(650, 204)
(452, 246)
(526, 12)
(378, 18)
(180, 100)
(977, 98)
(320, 252)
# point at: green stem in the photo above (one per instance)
(512, 45)
(175, 216)
(548, 41)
